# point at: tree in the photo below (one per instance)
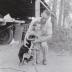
(53, 19)
(67, 9)
(61, 12)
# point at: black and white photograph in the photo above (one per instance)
(35, 35)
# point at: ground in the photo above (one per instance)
(57, 62)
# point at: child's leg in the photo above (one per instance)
(34, 51)
(39, 56)
(45, 52)
(34, 56)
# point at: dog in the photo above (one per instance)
(24, 50)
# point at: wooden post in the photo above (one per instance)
(18, 32)
(37, 8)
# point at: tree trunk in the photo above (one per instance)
(53, 19)
(66, 11)
(18, 32)
(61, 16)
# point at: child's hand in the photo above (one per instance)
(31, 39)
(36, 40)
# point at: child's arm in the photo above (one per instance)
(42, 39)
